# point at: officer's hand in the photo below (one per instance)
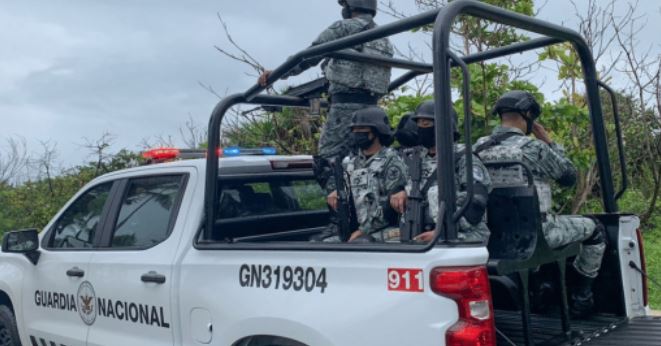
(355, 235)
(332, 200)
(398, 202)
(540, 132)
(425, 237)
(263, 78)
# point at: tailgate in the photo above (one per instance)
(600, 330)
(642, 331)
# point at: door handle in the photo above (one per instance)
(75, 272)
(153, 277)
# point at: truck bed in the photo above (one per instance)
(601, 330)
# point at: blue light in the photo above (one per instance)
(232, 151)
(238, 151)
(269, 151)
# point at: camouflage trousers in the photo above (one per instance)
(477, 233)
(334, 139)
(560, 230)
(473, 233)
(388, 235)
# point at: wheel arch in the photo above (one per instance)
(6, 300)
(267, 340)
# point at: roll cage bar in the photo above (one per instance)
(443, 60)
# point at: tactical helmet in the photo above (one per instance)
(518, 101)
(365, 5)
(373, 117)
(407, 131)
(426, 111)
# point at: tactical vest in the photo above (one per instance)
(357, 75)
(365, 183)
(511, 150)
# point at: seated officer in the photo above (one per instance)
(510, 141)
(471, 226)
(374, 172)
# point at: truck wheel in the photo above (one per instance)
(8, 329)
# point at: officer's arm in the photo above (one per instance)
(337, 30)
(395, 176)
(394, 182)
(553, 162)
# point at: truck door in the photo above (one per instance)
(132, 275)
(57, 296)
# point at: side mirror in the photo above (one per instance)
(23, 242)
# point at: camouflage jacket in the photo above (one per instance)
(480, 175)
(372, 181)
(546, 161)
(348, 76)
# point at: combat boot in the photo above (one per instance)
(582, 298)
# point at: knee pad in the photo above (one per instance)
(599, 235)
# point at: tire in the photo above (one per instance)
(8, 329)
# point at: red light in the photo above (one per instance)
(161, 154)
(643, 267)
(469, 288)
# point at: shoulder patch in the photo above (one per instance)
(394, 173)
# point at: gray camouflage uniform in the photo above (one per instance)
(348, 77)
(372, 181)
(547, 162)
(467, 231)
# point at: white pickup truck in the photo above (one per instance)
(122, 264)
(223, 251)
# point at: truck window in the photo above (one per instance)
(275, 196)
(270, 205)
(77, 226)
(147, 212)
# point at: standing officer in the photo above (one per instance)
(374, 173)
(518, 111)
(353, 85)
(471, 226)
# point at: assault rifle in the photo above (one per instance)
(346, 210)
(313, 91)
(414, 216)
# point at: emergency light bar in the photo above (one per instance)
(160, 155)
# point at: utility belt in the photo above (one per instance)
(355, 97)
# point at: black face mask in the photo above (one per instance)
(361, 140)
(427, 136)
(346, 12)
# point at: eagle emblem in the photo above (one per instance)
(86, 306)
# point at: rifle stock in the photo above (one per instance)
(414, 216)
(346, 211)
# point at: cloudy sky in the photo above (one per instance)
(71, 70)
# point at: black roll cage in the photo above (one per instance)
(443, 60)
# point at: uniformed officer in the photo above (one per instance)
(353, 85)
(471, 226)
(374, 172)
(518, 111)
